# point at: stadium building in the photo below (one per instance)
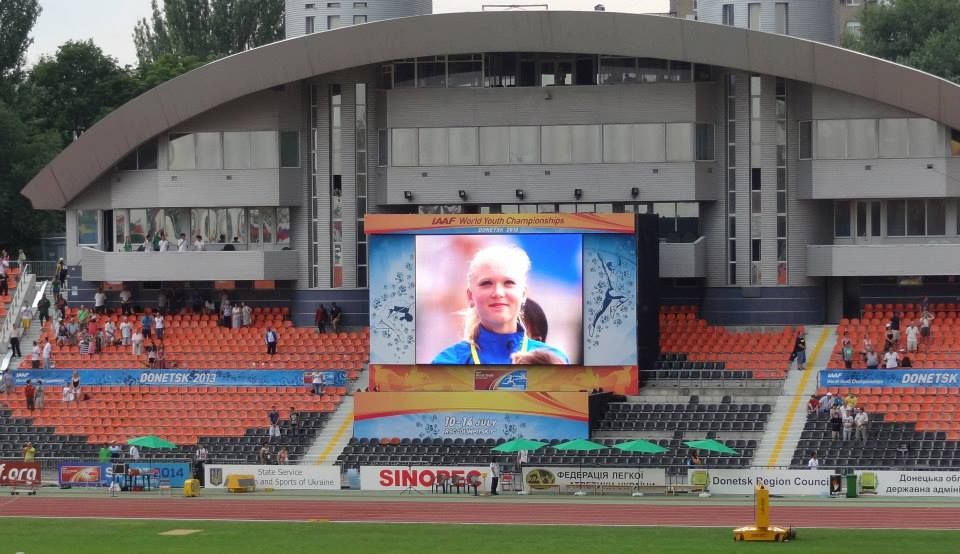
(794, 180)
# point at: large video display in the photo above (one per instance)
(503, 290)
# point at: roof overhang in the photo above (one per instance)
(207, 87)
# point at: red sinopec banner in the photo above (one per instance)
(19, 473)
(398, 478)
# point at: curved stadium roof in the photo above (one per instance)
(205, 88)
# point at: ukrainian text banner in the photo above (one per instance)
(299, 477)
(551, 478)
(425, 378)
(180, 377)
(487, 414)
(944, 484)
(890, 378)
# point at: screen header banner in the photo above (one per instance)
(492, 224)
(180, 377)
(890, 378)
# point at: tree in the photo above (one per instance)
(207, 29)
(17, 18)
(72, 90)
(924, 34)
(164, 68)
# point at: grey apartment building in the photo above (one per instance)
(794, 180)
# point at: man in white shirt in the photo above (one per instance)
(158, 325)
(134, 452)
(100, 302)
(199, 245)
(164, 243)
(125, 296)
(890, 359)
(35, 356)
(913, 335)
(47, 352)
(813, 463)
(860, 422)
(126, 331)
(494, 477)
(182, 243)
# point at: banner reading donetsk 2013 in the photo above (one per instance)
(471, 415)
(180, 377)
(890, 378)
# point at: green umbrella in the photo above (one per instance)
(581, 445)
(641, 446)
(151, 441)
(711, 445)
(516, 445)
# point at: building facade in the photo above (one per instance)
(820, 20)
(793, 180)
(304, 18)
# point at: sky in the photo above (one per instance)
(110, 23)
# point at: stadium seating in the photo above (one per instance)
(692, 417)
(197, 342)
(940, 350)
(699, 347)
(13, 277)
(909, 427)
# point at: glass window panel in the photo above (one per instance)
(283, 227)
(361, 161)
(731, 156)
(781, 17)
(806, 140)
(253, 225)
(781, 178)
(501, 70)
(263, 150)
(464, 71)
(781, 202)
(129, 162)
(431, 72)
(954, 142)
(382, 148)
(524, 145)
(896, 218)
(494, 145)
(781, 133)
(88, 227)
(781, 250)
(681, 72)
(832, 139)
(290, 148)
(617, 143)
(268, 224)
(121, 231)
(404, 75)
(404, 147)
(705, 148)
(753, 16)
(755, 250)
(182, 151)
(557, 144)
(138, 226)
(861, 138)
(649, 142)
(875, 218)
(916, 216)
(732, 251)
(924, 138)
(936, 217)
(209, 151)
(200, 220)
(733, 274)
(236, 150)
(232, 223)
(755, 203)
(652, 70)
(147, 155)
(680, 142)
(756, 181)
(861, 208)
(781, 107)
(433, 147)
(731, 202)
(615, 71)
(841, 218)
(894, 138)
(731, 226)
(781, 225)
(586, 143)
(463, 146)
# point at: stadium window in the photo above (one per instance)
(841, 218)
(705, 142)
(88, 227)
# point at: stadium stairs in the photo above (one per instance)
(330, 444)
(786, 424)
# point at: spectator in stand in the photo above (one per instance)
(836, 423)
(913, 337)
(871, 359)
(26, 318)
(115, 450)
(4, 281)
(320, 318)
(47, 353)
(85, 344)
(283, 456)
(137, 341)
(156, 241)
(247, 313)
(55, 289)
(38, 395)
(75, 385)
(895, 326)
(15, 343)
(147, 245)
(826, 402)
(850, 401)
(846, 351)
(164, 244)
(43, 310)
(83, 316)
(227, 315)
(335, 315)
(847, 425)
(61, 273)
(99, 302)
(6, 381)
(125, 297)
(109, 333)
(924, 304)
(890, 359)
(147, 323)
(134, 452)
(271, 338)
(200, 457)
(152, 356)
(274, 417)
(926, 319)
(860, 421)
(161, 357)
(199, 245)
(905, 360)
(35, 356)
(163, 302)
(813, 463)
(126, 332)
(159, 325)
(104, 454)
(813, 404)
(263, 455)
(236, 316)
(227, 247)
(317, 382)
(294, 418)
(29, 453)
(29, 393)
(67, 393)
(799, 355)
(889, 339)
(209, 307)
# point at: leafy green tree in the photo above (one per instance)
(207, 29)
(75, 88)
(17, 18)
(164, 68)
(924, 34)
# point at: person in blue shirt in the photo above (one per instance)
(493, 330)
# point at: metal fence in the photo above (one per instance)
(43, 269)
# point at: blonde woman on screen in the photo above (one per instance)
(493, 332)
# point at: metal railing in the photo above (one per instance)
(43, 270)
(25, 282)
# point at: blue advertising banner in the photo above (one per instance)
(890, 378)
(176, 473)
(182, 377)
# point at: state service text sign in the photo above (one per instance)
(281, 478)
(945, 484)
(548, 478)
(401, 478)
(802, 482)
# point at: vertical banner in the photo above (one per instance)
(393, 299)
(610, 300)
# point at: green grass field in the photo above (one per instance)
(74, 536)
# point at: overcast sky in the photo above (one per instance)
(110, 22)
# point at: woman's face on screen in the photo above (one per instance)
(497, 291)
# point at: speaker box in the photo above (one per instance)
(648, 291)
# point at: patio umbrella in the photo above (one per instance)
(711, 445)
(516, 445)
(580, 445)
(151, 441)
(641, 447)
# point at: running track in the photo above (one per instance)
(484, 511)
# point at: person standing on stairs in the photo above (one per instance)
(799, 355)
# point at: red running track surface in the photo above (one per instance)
(485, 510)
